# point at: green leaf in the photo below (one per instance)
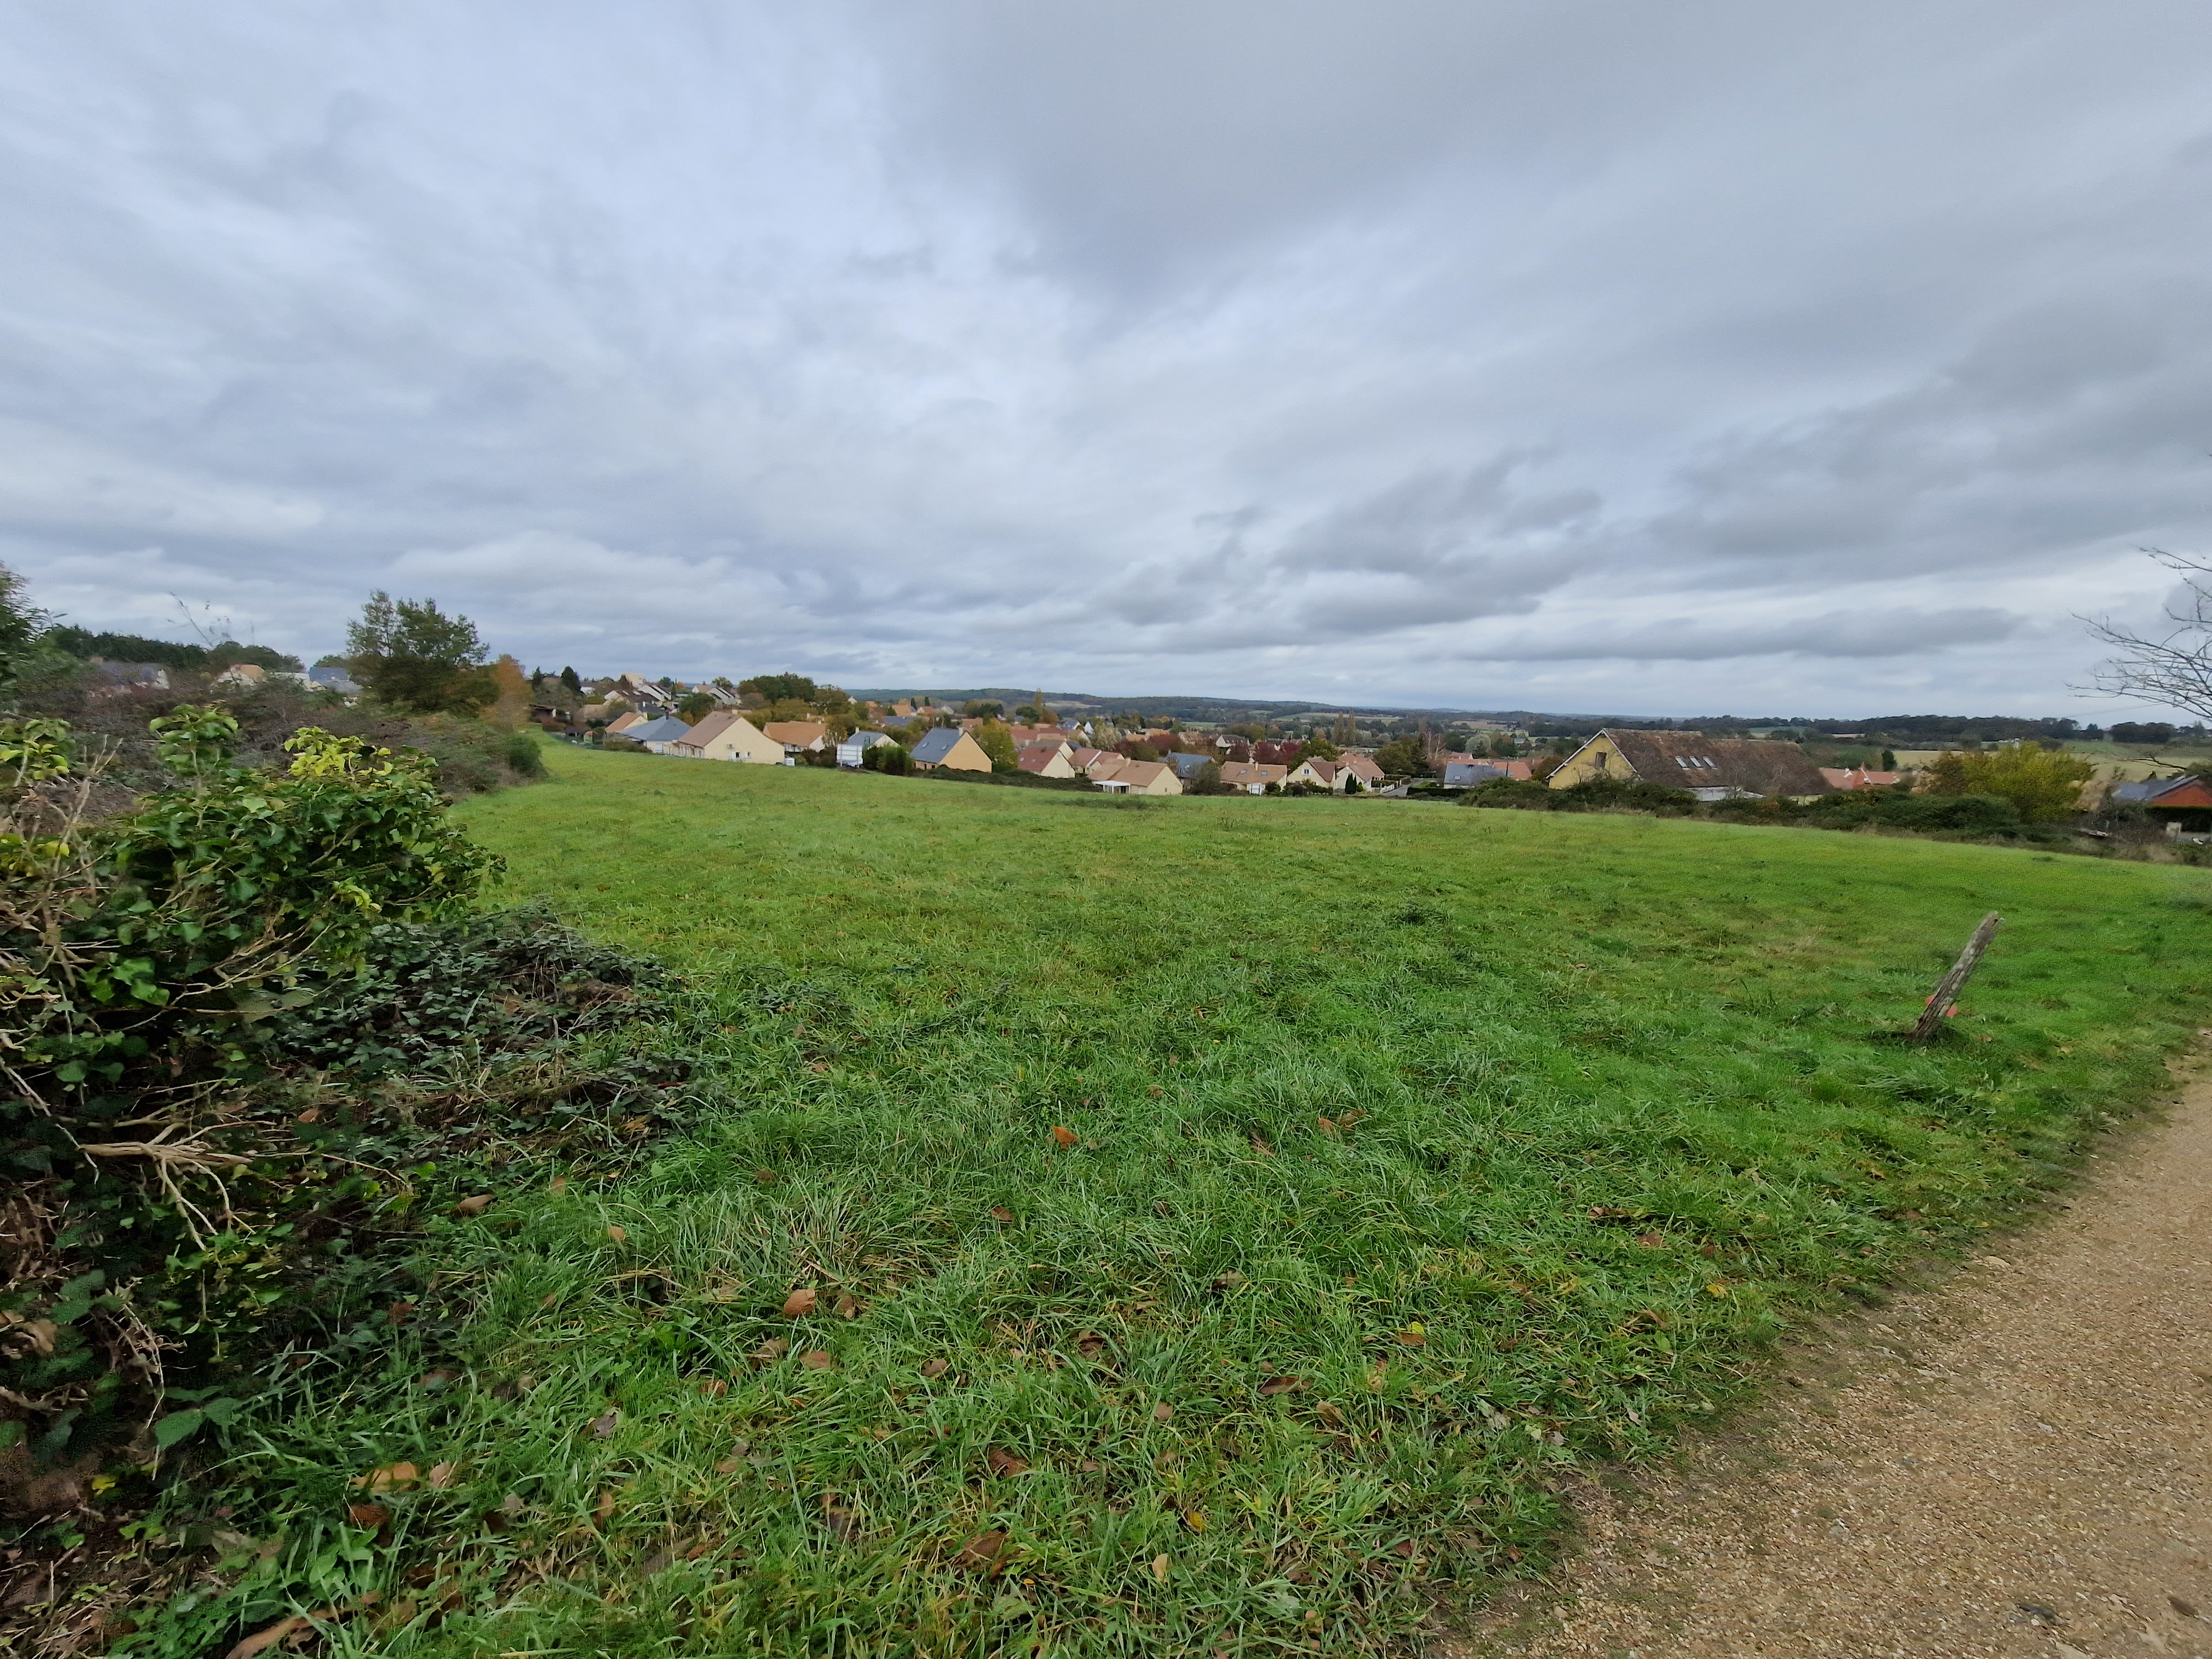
(175, 1426)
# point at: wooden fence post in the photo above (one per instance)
(1947, 988)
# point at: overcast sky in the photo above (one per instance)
(1704, 357)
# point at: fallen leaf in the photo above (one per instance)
(815, 1360)
(766, 1177)
(1005, 1464)
(801, 1302)
(1162, 1412)
(1716, 1289)
(712, 1386)
(1065, 1136)
(399, 1313)
(603, 1428)
(1001, 1212)
(1652, 1241)
(1326, 1125)
(772, 1350)
(841, 1521)
(847, 1308)
(370, 1517)
(549, 1298)
(476, 1206)
(1280, 1385)
(1345, 1120)
(313, 1114)
(1089, 1466)
(267, 1638)
(617, 1234)
(1404, 1546)
(392, 1477)
(560, 1184)
(729, 1465)
(983, 1550)
(1160, 1568)
(441, 1476)
(1229, 1281)
(435, 1381)
(1413, 1336)
(935, 1367)
(1155, 1092)
(513, 1504)
(1329, 1414)
(1194, 1519)
(1089, 1344)
(606, 1509)
(655, 1563)
(1262, 1147)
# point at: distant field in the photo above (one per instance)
(1410, 1155)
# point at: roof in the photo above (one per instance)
(794, 734)
(337, 678)
(937, 744)
(1858, 777)
(625, 720)
(1036, 756)
(865, 740)
(1187, 766)
(710, 726)
(667, 729)
(2187, 790)
(1140, 775)
(1690, 760)
(1466, 775)
(1363, 768)
(1244, 774)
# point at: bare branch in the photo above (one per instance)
(2173, 669)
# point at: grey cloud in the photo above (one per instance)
(1834, 634)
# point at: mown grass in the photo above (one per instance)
(1603, 1102)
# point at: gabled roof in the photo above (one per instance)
(865, 740)
(2187, 790)
(1244, 774)
(937, 744)
(794, 734)
(1858, 777)
(710, 726)
(667, 729)
(1690, 760)
(1466, 775)
(1363, 767)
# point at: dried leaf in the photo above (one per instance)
(370, 1517)
(1194, 1519)
(847, 1308)
(559, 1185)
(1716, 1289)
(729, 1465)
(712, 1386)
(766, 1177)
(475, 1206)
(1652, 1241)
(935, 1367)
(606, 1509)
(1326, 1126)
(1162, 1412)
(1089, 1466)
(435, 1381)
(617, 1234)
(267, 1638)
(441, 1477)
(1004, 1463)
(1413, 1336)
(1262, 1147)
(1155, 1092)
(1403, 1547)
(801, 1302)
(771, 1350)
(603, 1428)
(392, 1477)
(815, 1360)
(1280, 1385)
(1065, 1136)
(399, 1313)
(1089, 1344)
(1229, 1281)
(841, 1521)
(1345, 1120)
(983, 1550)
(1001, 1212)
(1329, 1414)
(1160, 1568)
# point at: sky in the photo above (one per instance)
(1711, 357)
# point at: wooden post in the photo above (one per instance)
(1947, 988)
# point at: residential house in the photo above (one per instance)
(2185, 802)
(1253, 777)
(660, 736)
(641, 693)
(1711, 769)
(242, 673)
(622, 724)
(333, 678)
(1858, 777)
(1047, 760)
(1083, 760)
(1147, 778)
(952, 749)
(727, 735)
(853, 750)
(1470, 775)
(1317, 774)
(1188, 766)
(1360, 769)
(798, 738)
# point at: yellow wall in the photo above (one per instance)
(1584, 764)
(966, 756)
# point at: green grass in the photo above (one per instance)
(1608, 1106)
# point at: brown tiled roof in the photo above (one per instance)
(1690, 760)
(794, 734)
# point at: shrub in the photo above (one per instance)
(2044, 784)
(888, 757)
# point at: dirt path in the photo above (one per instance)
(2018, 1462)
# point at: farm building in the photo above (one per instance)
(1711, 769)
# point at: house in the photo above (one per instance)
(659, 737)
(622, 725)
(1145, 778)
(1047, 760)
(1469, 775)
(2184, 802)
(727, 735)
(1284, 752)
(333, 678)
(1361, 770)
(1711, 769)
(1858, 777)
(1188, 766)
(1098, 764)
(1252, 777)
(950, 749)
(1316, 774)
(852, 751)
(641, 693)
(799, 737)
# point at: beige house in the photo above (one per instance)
(727, 735)
(952, 750)
(1362, 770)
(799, 737)
(622, 722)
(1048, 760)
(1148, 777)
(1098, 764)
(1318, 775)
(1711, 769)
(1251, 777)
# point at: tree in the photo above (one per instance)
(2043, 784)
(780, 687)
(573, 685)
(1404, 758)
(977, 709)
(2174, 669)
(695, 707)
(19, 628)
(1345, 732)
(1316, 749)
(512, 705)
(994, 740)
(412, 655)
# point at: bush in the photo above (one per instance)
(1597, 795)
(2043, 785)
(1900, 809)
(888, 757)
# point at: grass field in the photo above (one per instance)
(1225, 1217)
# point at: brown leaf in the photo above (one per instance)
(801, 1302)
(392, 1477)
(847, 1308)
(772, 1350)
(559, 1185)
(370, 1517)
(766, 1177)
(267, 1638)
(841, 1521)
(1162, 1412)
(1004, 1463)
(1262, 1147)
(1413, 1336)
(1326, 1126)
(1089, 1344)
(1280, 1385)
(983, 1550)
(313, 1114)
(1652, 1241)
(815, 1360)
(1229, 1281)
(1709, 1251)
(1155, 1092)
(603, 1428)
(399, 1313)
(935, 1367)
(1065, 1136)
(1089, 1466)
(1329, 1414)
(729, 1465)
(440, 1476)
(1160, 1568)
(435, 1381)
(549, 1298)
(476, 1206)
(1001, 1212)
(712, 1386)
(617, 1234)
(1404, 1546)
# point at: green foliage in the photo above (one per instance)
(890, 757)
(993, 738)
(1900, 809)
(1403, 758)
(571, 684)
(978, 709)
(1593, 795)
(411, 655)
(782, 687)
(2044, 784)
(32, 752)
(21, 627)
(127, 647)
(696, 706)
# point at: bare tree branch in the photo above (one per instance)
(2174, 670)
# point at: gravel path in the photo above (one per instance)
(2017, 1463)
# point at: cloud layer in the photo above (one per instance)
(1705, 357)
